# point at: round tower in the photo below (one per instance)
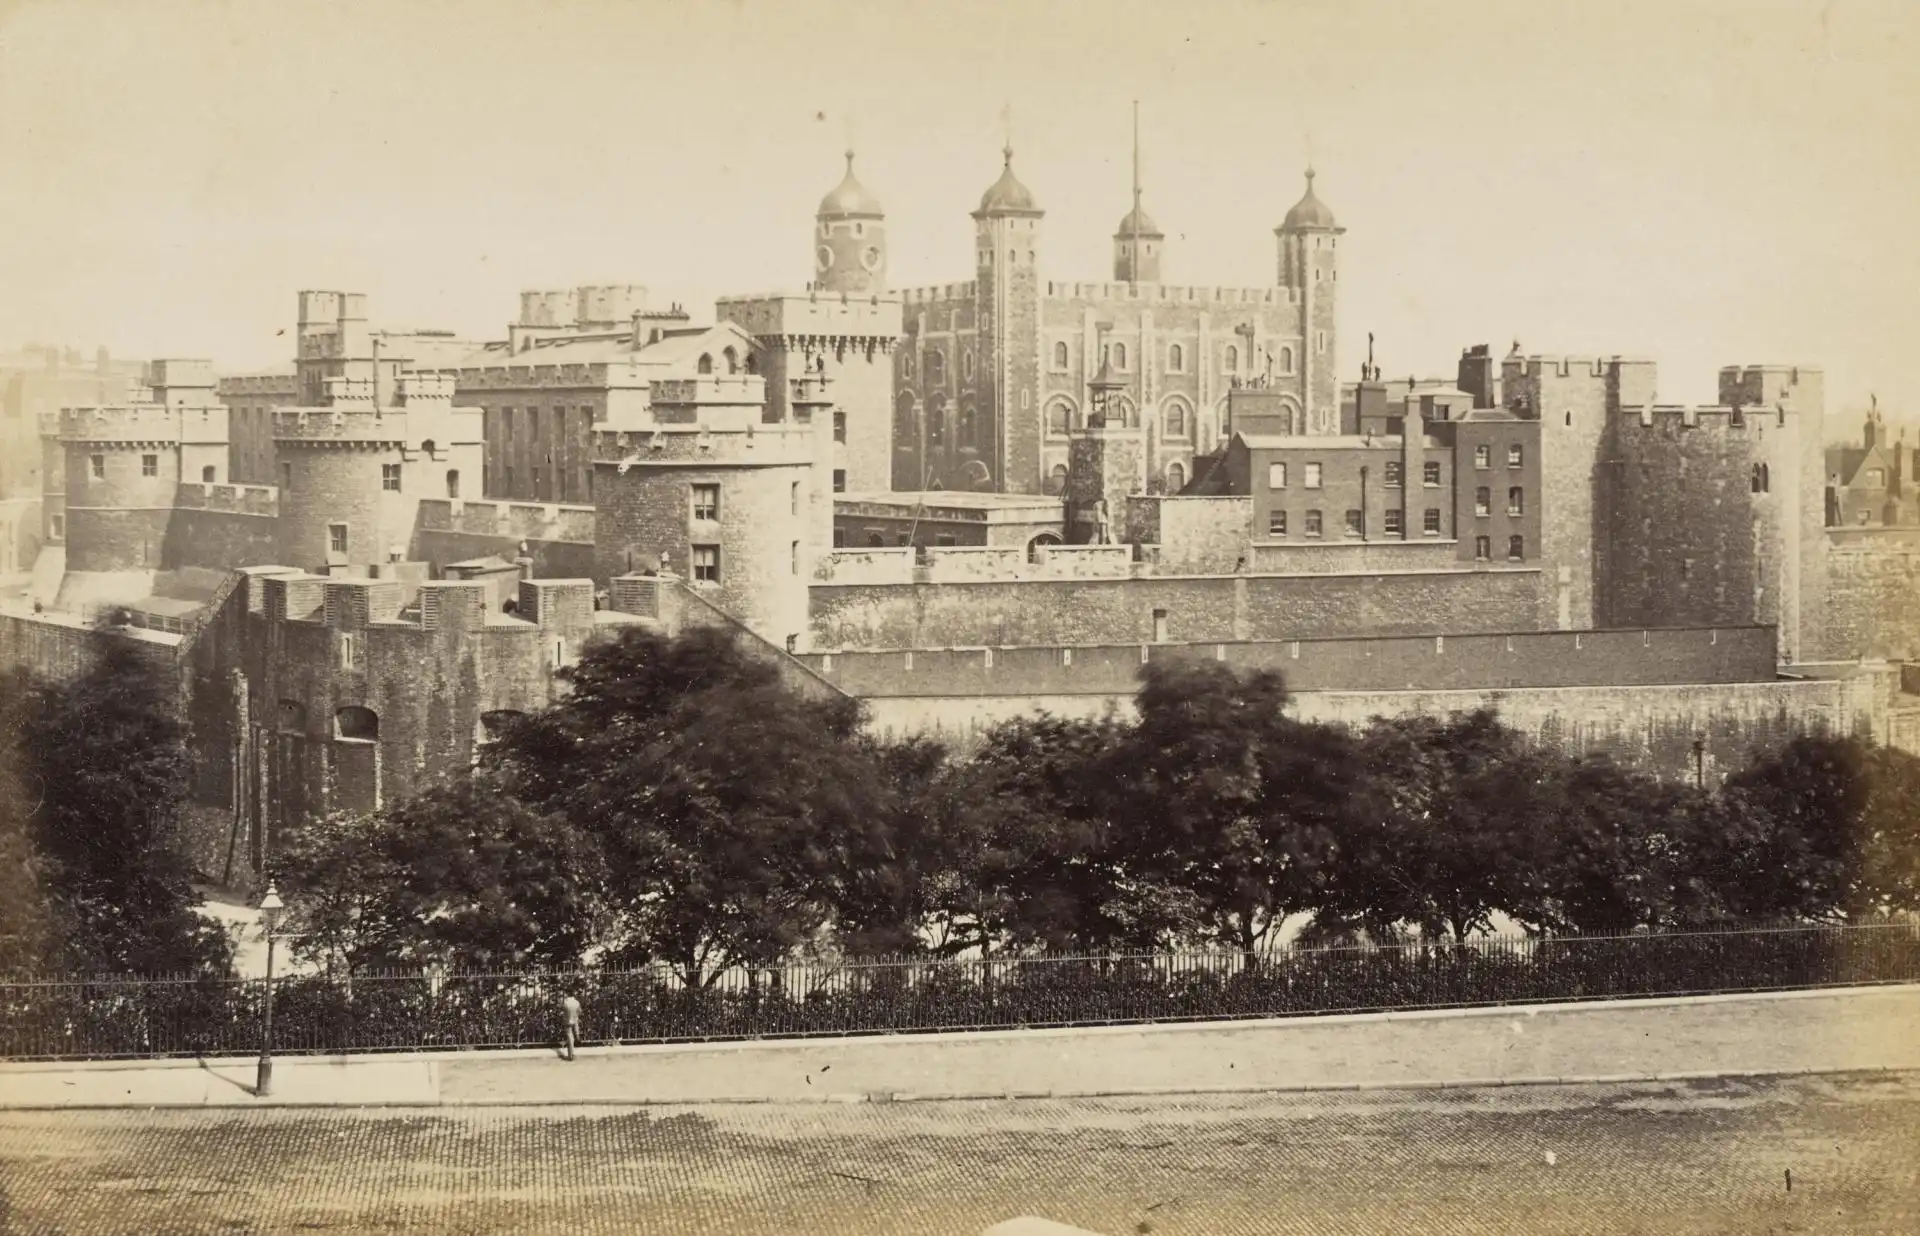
(704, 490)
(1309, 270)
(850, 239)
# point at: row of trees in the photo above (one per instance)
(681, 807)
(94, 774)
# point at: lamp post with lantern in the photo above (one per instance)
(271, 908)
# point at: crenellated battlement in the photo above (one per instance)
(236, 499)
(1716, 417)
(517, 521)
(944, 292)
(827, 314)
(666, 443)
(1170, 293)
(632, 373)
(274, 384)
(366, 424)
(143, 422)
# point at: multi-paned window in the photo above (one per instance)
(706, 502)
(1276, 523)
(1482, 501)
(1483, 456)
(1430, 521)
(1516, 501)
(1313, 523)
(1355, 526)
(1430, 474)
(390, 477)
(1393, 474)
(1515, 454)
(337, 538)
(1394, 522)
(706, 564)
(149, 465)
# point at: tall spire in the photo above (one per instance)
(1136, 158)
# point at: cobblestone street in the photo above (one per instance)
(1645, 1158)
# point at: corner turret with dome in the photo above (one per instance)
(1310, 214)
(1007, 196)
(850, 239)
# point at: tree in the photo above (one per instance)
(1231, 800)
(99, 772)
(1825, 829)
(462, 876)
(1437, 837)
(733, 813)
(1031, 848)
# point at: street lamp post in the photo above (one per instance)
(270, 909)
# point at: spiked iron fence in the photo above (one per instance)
(72, 1018)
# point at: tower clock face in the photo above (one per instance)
(824, 256)
(870, 257)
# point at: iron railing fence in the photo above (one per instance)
(75, 1018)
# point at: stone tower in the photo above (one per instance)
(702, 488)
(1310, 270)
(1007, 235)
(850, 239)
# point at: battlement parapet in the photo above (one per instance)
(369, 425)
(817, 314)
(1538, 365)
(628, 373)
(425, 388)
(937, 295)
(977, 564)
(145, 422)
(285, 385)
(1174, 293)
(1721, 417)
(691, 444)
(262, 500)
(518, 521)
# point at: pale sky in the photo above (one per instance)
(1705, 182)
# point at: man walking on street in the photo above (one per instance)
(571, 1007)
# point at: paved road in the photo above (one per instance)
(1701, 1157)
(1804, 1031)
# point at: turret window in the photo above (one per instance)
(1286, 360)
(97, 465)
(1176, 359)
(966, 365)
(149, 465)
(1233, 359)
(1120, 356)
(1060, 357)
(390, 477)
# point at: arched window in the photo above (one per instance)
(1044, 541)
(937, 422)
(705, 365)
(964, 426)
(1286, 360)
(732, 358)
(1233, 359)
(1766, 479)
(1176, 477)
(936, 366)
(1057, 479)
(875, 540)
(966, 365)
(453, 482)
(1119, 356)
(1176, 359)
(356, 724)
(906, 364)
(1176, 417)
(1059, 418)
(1060, 355)
(753, 363)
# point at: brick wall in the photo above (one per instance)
(1197, 608)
